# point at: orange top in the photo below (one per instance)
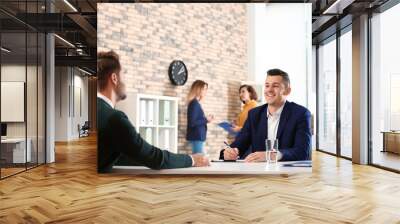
(245, 110)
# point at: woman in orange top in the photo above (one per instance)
(248, 96)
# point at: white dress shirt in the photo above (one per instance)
(273, 124)
(108, 101)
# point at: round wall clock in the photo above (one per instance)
(178, 73)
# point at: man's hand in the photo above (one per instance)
(200, 160)
(257, 157)
(231, 154)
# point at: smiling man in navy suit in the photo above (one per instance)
(279, 119)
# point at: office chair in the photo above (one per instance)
(84, 130)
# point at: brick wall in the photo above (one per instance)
(211, 39)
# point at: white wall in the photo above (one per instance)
(282, 39)
(17, 73)
(312, 94)
(33, 126)
(14, 73)
(61, 103)
(80, 83)
(69, 85)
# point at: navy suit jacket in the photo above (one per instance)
(196, 122)
(294, 132)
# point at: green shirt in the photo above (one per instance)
(118, 140)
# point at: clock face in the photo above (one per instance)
(178, 73)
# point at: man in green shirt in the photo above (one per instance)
(117, 137)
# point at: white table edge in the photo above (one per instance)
(258, 169)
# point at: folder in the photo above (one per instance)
(167, 108)
(166, 139)
(149, 136)
(150, 111)
(228, 127)
(143, 112)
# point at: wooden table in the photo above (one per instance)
(225, 168)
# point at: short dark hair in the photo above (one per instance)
(278, 72)
(107, 63)
(251, 90)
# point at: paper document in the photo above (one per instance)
(299, 164)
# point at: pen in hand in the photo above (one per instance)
(229, 147)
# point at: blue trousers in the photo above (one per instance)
(197, 146)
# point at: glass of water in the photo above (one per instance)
(271, 146)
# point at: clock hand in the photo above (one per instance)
(181, 70)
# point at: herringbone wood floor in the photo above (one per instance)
(70, 191)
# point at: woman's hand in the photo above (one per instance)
(236, 128)
(210, 118)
